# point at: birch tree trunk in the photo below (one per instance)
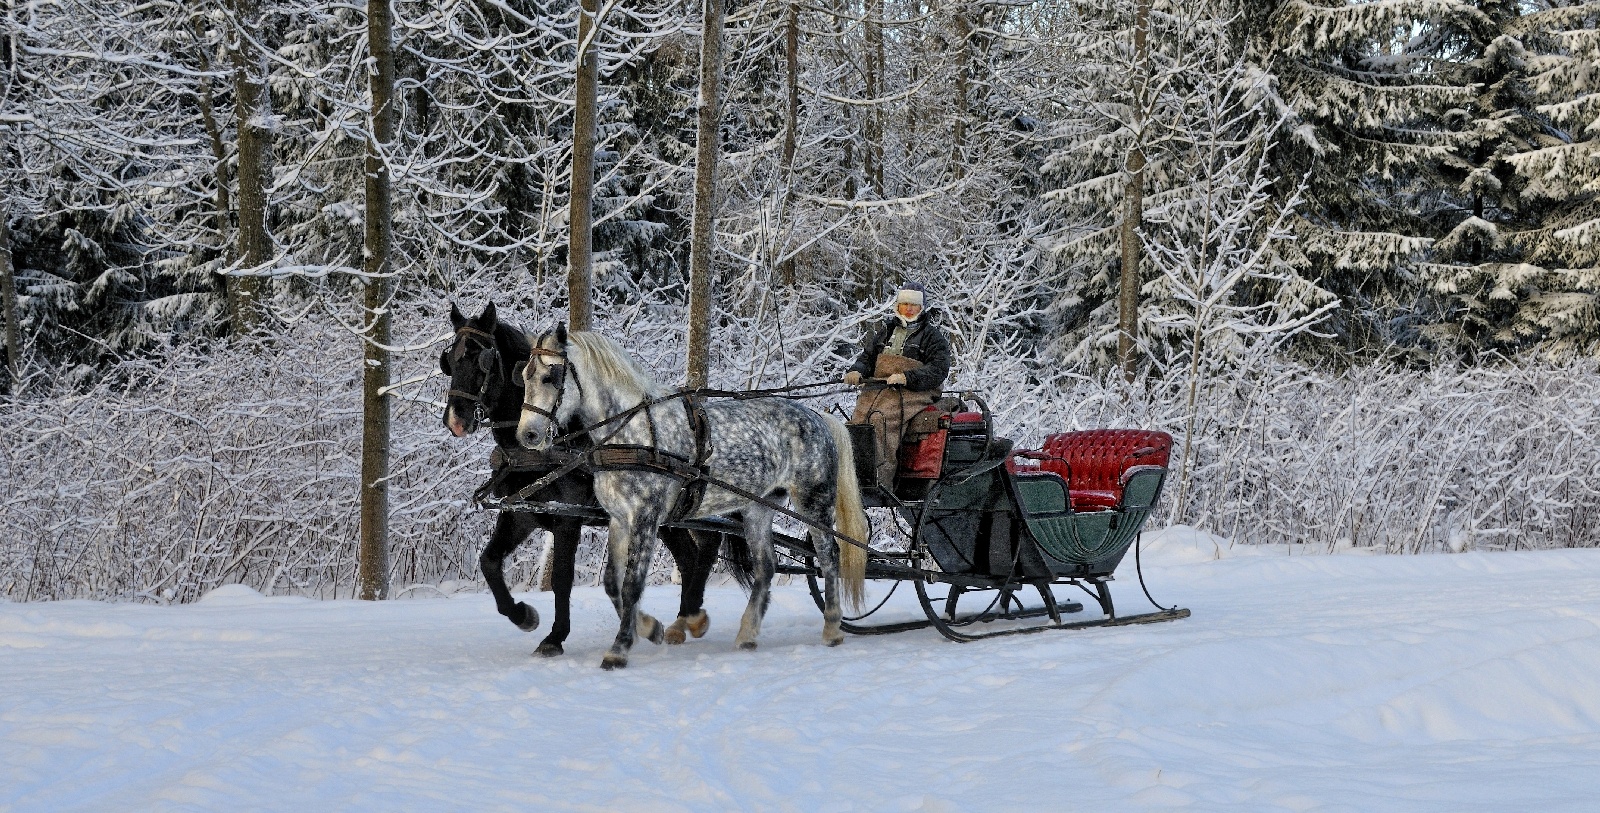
(580, 242)
(1133, 202)
(703, 234)
(253, 111)
(377, 263)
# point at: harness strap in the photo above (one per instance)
(504, 462)
(620, 456)
(697, 392)
(694, 491)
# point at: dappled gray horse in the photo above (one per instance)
(483, 362)
(770, 447)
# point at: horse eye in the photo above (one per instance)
(549, 379)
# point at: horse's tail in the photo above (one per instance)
(849, 518)
(736, 551)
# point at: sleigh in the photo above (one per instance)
(990, 524)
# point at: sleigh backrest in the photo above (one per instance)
(1097, 464)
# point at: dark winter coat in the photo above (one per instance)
(926, 344)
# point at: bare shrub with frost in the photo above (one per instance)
(237, 464)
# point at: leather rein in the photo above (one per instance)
(606, 456)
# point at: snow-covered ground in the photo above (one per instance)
(1362, 683)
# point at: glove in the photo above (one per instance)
(896, 380)
(852, 378)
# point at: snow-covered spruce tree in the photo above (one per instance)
(1371, 90)
(1560, 176)
(1563, 174)
(105, 159)
(1120, 113)
(1507, 273)
(484, 92)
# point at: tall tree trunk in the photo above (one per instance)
(378, 265)
(874, 62)
(253, 109)
(219, 157)
(8, 279)
(791, 82)
(958, 127)
(839, 10)
(1133, 203)
(580, 242)
(8, 300)
(913, 73)
(703, 235)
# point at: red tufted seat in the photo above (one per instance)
(923, 458)
(1095, 464)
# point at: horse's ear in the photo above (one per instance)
(561, 333)
(456, 318)
(489, 318)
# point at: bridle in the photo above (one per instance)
(488, 364)
(558, 369)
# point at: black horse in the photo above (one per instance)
(484, 364)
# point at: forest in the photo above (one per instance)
(1346, 251)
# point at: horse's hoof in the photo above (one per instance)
(831, 634)
(657, 633)
(548, 649)
(526, 618)
(699, 623)
(614, 662)
(676, 634)
(748, 645)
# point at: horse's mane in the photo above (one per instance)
(516, 340)
(603, 358)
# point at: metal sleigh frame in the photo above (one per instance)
(987, 530)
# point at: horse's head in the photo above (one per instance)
(550, 395)
(477, 374)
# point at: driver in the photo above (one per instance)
(910, 357)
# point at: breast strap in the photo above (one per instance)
(639, 457)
